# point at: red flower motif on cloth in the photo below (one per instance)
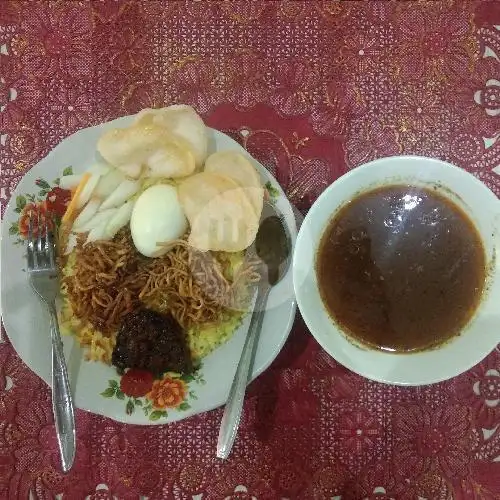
(145, 95)
(107, 11)
(344, 385)
(296, 82)
(358, 430)
(128, 48)
(18, 94)
(197, 83)
(270, 150)
(480, 389)
(124, 452)
(23, 147)
(420, 106)
(435, 145)
(327, 482)
(334, 11)
(136, 383)
(368, 140)
(361, 51)
(435, 41)
(432, 440)
(489, 39)
(7, 468)
(11, 114)
(483, 483)
(9, 21)
(193, 478)
(107, 483)
(288, 396)
(15, 382)
(37, 449)
(378, 483)
(329, 118)
(296, 399)
(240, 492)
(124, 472)
(167, 392)
(58, 40)
(466, 149)
(292, 10)
(478, 95)
(10, 179)
(239, 482)
(308, 179)
(290, 479)
(246, 73)
(243, 12)
(72, 108)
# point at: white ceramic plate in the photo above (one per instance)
(97, 386)
(481, 335)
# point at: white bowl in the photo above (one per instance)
(480, 336)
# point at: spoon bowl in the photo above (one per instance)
(273, 245)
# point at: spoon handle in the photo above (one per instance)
(232, 412)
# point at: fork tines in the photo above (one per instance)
(40, 249)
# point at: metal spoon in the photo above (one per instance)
(273, 247)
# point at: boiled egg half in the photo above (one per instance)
(157, 217)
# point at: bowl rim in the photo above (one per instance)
(409, 165)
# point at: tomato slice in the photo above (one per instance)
(136, 383)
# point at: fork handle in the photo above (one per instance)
(62, 401)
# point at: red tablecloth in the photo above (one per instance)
(312, 89)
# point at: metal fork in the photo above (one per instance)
(42, 276)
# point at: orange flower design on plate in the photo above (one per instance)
(167, 392)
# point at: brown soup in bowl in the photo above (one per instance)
(401, 268)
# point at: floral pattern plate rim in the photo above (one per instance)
(134, 397)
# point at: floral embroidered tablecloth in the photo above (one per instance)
(312, 89)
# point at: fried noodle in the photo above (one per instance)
(109, 279)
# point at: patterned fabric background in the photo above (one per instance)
(312, 89)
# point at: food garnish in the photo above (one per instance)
(155, 248)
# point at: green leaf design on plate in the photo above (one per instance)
(20, 201)
(68, 171)
(157, 414)
(14, 228)
(188, 378)
(119, 394)
(130, 408)
(137, 402)
(57, 181)
(113, 384)
(108, 393)
(42, 183)
(184, 406)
